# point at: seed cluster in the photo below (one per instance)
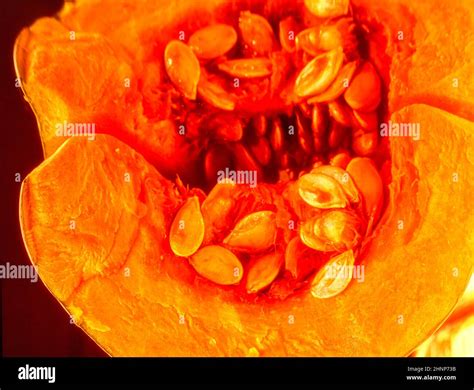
(289, 101)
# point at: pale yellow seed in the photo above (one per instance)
(321, 191)
(343, 178)
(187, 229)
(327, 8)
(335, 230)
(319, 73)
(334, 277)
(217, 264)
(263, 271)
(254, 232)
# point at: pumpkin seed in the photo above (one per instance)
(216, 209)
(263, 271)
(339, 85)
(367, 179)
(260, 123)
(319, 125)
(321, 191)
(335, 230)
(364, 92)
(308, 40)
(367, 120)
(243, 159)
(217, 158)
(319, 73)
(257, 34)
(182, 68)
(310, 239)
(306, 109)
(343, 178)
(214, 94)
(300, 260)
(261, 150)
(334, 277)
(340, 112)
(327, 8)
(217, 264)
(340, 33)
(276, 135)
(364, 143)
(213, 41)
(247, 67)
(340, 159)
(187, 229)
(255, 232)
(305, 138)
(336, 135)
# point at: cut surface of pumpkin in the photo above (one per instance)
(239, 164)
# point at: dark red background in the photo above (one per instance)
(33, 323)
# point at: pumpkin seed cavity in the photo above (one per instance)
(294, 103)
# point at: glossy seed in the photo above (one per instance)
(319, 125)
(217, 209)
(327, 8)
(343, 178)
(300, 260)
(213, 41)
(214, 94)
(182, 68)
(254, 232)
(308, 40)
(319, 73)
(340, 33)
(334, 277)
(247, 67)
(340, 112)
(335, 230)
(340, 159)
(257, 34)
(340, 84)
(287, 33)
(309, 238)
(217, 264)
(263, 271)
(364, 143)
(367, 179)
(260, 124)
(336, 135)
(187, 229)
(321, 191)
(217, 159)
(244, 161)
(367, 120)
(304, 135)
(306, 109)
(276, 135)
(261, 150)
(364, 92)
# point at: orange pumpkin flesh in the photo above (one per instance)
(115, 273)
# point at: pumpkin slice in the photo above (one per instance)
(95, 215)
